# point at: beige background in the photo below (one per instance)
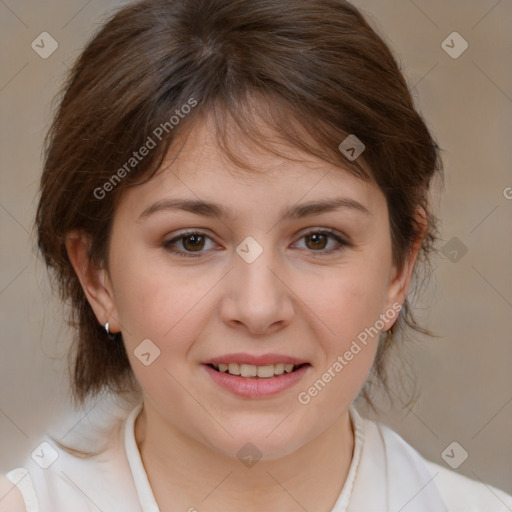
(464, 375)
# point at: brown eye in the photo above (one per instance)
(193, 242)
(323, 242)
(316, 241)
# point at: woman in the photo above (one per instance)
(234, 201)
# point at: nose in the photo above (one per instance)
(257, 297)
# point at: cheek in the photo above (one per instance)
(170, 310)
(158, 302)
(347, 304)
(346, 364)
(347, 299)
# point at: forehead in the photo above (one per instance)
(198, 167)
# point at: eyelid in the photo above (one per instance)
(342, 241)
(328, 231)
(167, 244)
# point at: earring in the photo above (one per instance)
(111, 336)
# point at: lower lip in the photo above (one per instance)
(256, 387)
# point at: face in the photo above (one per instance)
(216, 266)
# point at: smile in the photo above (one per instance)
(253, 371)
(256, 381)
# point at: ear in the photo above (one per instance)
(94, 280)
(400, 278)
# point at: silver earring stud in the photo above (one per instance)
(112, 336)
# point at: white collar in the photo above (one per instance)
(140, 477)
(145, 493)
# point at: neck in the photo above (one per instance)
(186, 474)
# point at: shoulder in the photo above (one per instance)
(458, 492)
(461, 491)
(93, 473)
(11, 499)
(58, 479)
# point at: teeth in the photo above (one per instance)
(233, 368)
(279, 368)
(249, 370)
(265, 371)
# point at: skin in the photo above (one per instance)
(295, 299)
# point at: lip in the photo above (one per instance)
(255, 387)
(262, 360)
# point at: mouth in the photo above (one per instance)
(250, 371)
(252, 376)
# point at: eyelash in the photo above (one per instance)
(342, 243)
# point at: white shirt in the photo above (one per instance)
(386, 475)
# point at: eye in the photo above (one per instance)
(323, 241)
(191, 244)
(196, 244)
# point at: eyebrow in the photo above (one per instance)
(212, 209)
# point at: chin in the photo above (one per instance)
(259, 442)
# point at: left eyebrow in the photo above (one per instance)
(212, 209)
(319, 207)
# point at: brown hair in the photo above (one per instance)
(317, 63)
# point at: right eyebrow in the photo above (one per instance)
(206, 208)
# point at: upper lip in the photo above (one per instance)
(262, 360)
